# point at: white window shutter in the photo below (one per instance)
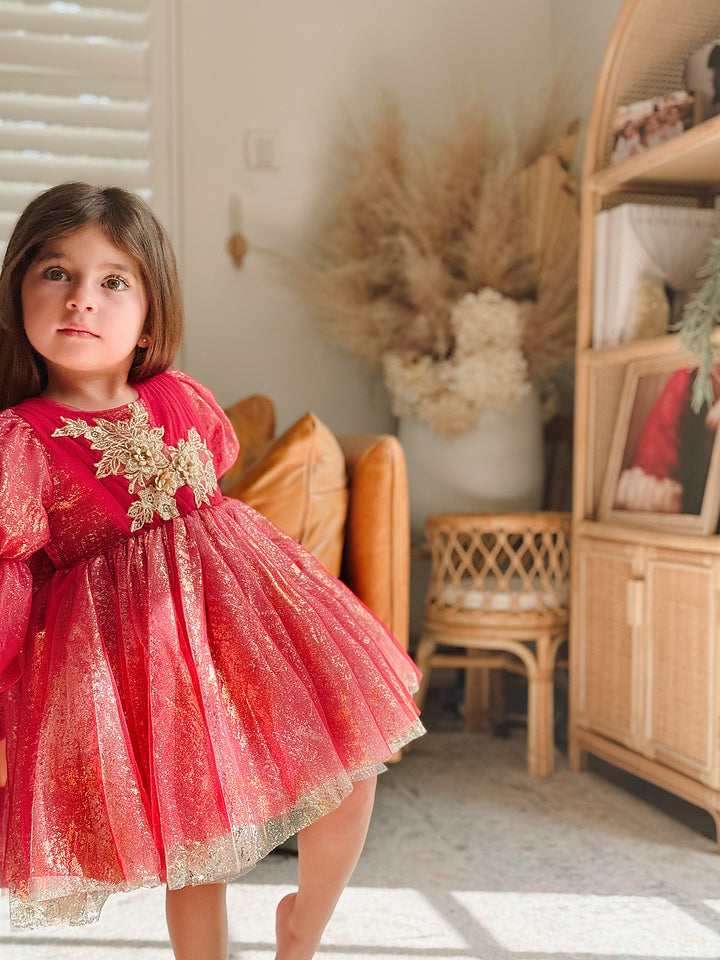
(76, 97)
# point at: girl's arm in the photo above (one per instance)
(3, 753)
(25, 490)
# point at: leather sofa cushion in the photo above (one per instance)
(376, 564)
(253, 420)
(300, 484)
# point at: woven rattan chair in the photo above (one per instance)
(498, 597)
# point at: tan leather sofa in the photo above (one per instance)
(344, 498)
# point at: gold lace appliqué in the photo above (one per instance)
(134, 450)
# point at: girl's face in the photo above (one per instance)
(84, 306)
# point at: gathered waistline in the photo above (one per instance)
(126, 538)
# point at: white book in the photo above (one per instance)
(600, 257)
(663, 244)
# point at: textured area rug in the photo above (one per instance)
(468, 857)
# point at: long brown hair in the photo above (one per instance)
(129, 223)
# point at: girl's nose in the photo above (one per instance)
(81, 299)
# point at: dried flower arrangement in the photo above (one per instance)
(452, 264)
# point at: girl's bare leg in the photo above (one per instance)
(197, 922)
(328, 851)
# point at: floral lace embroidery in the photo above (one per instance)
(135, 451)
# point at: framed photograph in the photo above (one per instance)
(664, 464)
(702, 76)
(640, 126)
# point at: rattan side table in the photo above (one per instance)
(498, 597)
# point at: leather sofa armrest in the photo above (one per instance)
(376, 557)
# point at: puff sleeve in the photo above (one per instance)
(25, 489)
(221, 437)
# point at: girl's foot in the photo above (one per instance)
(290, 945)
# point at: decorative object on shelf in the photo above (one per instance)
(649, 311)
(451, 264)
(702, 75)
(645, 124)
(699, 318)
(643, 252)
(664, 465)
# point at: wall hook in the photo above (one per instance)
(237, 245)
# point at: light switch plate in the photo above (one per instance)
(262, 150)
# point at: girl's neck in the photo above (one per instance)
(90, 394)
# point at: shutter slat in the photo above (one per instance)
(89, 141)
(7, 222)
(90, 23)
(134, 6)
(54, 169)
(16, 194)
(76, 112)
(20, 80)
(76, 56)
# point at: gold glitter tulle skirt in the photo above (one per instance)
(190, 698)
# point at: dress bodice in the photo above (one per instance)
(112, 473)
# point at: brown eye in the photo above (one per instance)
(116, 283)
(55, 273)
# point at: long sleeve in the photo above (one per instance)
(25, 488)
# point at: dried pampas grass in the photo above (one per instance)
(417, 224)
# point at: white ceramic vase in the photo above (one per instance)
(497, 467)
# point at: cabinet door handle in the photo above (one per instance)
(635, 602)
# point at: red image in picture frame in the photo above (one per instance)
(664, 464)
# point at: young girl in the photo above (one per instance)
(184, 687)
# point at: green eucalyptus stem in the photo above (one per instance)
(699, 317)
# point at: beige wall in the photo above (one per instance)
(303, 69)
(580, 28)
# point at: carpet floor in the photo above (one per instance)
(469, 857)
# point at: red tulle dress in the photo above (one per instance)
(184, 685)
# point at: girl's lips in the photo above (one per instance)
(76, 332)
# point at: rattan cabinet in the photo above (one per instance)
(646, 657)
(645, 636)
